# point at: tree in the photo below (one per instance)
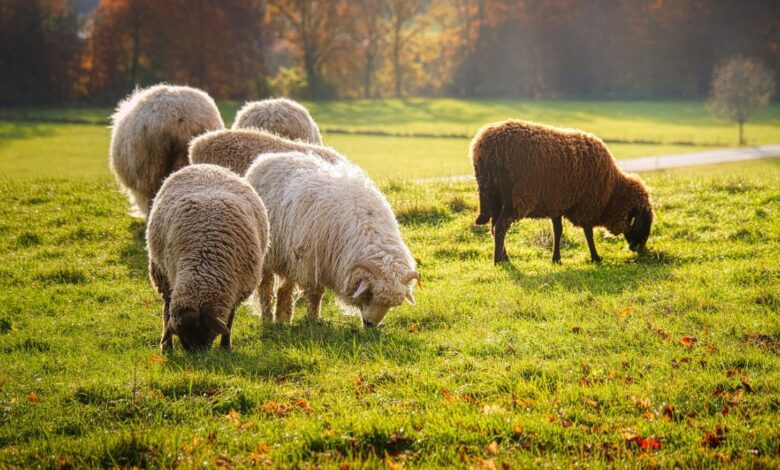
(369, 26)
(316, 30)
(404, 26)
(740, 86)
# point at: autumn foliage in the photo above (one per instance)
(58, 51)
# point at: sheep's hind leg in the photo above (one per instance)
(594, 256)
(313, 300)
(265, 295)
(499, 232)
(284, 301)
(557, 232)
(166, 343)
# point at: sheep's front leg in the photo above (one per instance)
(594, 256)
(166, 343)
(314, 299)
(225, 340)
(557, 224)
(284, 301)
(265, 294)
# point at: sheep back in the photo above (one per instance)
(236, 149)
(540, 171)
(150, 133)
(280, 116)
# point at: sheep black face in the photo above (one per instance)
(197, 330)
(639, 223)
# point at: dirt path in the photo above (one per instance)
(663, 162)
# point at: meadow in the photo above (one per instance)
(667, 359)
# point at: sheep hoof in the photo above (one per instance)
(556, 260)
(482, 219)
(166, 346)
(596, 259)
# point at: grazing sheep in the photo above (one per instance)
(150, 132)
(525, 169)
(281, 116)
(207, 237)
(237, 148)
(331, 227)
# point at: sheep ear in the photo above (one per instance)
(362, 287)
(214, 323)
(410, 297)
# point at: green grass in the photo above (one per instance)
(526, 364)
(28, 149)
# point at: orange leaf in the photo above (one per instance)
(492, 448)
(648, 415)
(448, 396)
(33, 397)
(517, 430)
(648, 443)
(626, 312)
(304, 405)
(393, 465)
(688, 341)
(155, 359)
(275, 408)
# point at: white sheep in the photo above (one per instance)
(330, 228)
(236, 149)
(281, 116)
(207, 238)
(150, 132)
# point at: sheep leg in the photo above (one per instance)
(499, 230)
(557, 232)
(314, 299)
(224, 342)
(265, 293)
(284, 301)
(594, 256)
(166, 343)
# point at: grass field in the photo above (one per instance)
(668, 359)
(27, 148)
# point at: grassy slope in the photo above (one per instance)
(552, 363)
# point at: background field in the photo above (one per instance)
(671, 358)
(80, 150)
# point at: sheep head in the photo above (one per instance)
(197, 329)
(376, 293)
(640, 220)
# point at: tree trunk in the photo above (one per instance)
(741, 133)
(397, 60)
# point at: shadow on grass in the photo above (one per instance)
(286, 351)
(609, 277)
(133, 254)
(10, 131)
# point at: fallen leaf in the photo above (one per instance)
(492, 409)
(234, 417)
(304, 405)
(641, 403)
(275, 408)
(492, 448)
(517, 430)
(363, 387)
(448, 396)
(626, 312)
(711, 350)
(688, 341)
(484, 464)
(155, 359)
(714, 438)
(260, 455)
(393, 465)
(628, 434)
(725, 410)
(648, 443)
(648, 415)
(33, 397)
(551, 419)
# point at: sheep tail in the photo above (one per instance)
(488, 193)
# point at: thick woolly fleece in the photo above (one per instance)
(537, 171)
(207, 237)
(280, 116)
(150, 132)
(327, 220)
(236, 149)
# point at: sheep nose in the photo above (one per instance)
(368, 324)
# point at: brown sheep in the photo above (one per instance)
(236, 149)
(529, 170)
